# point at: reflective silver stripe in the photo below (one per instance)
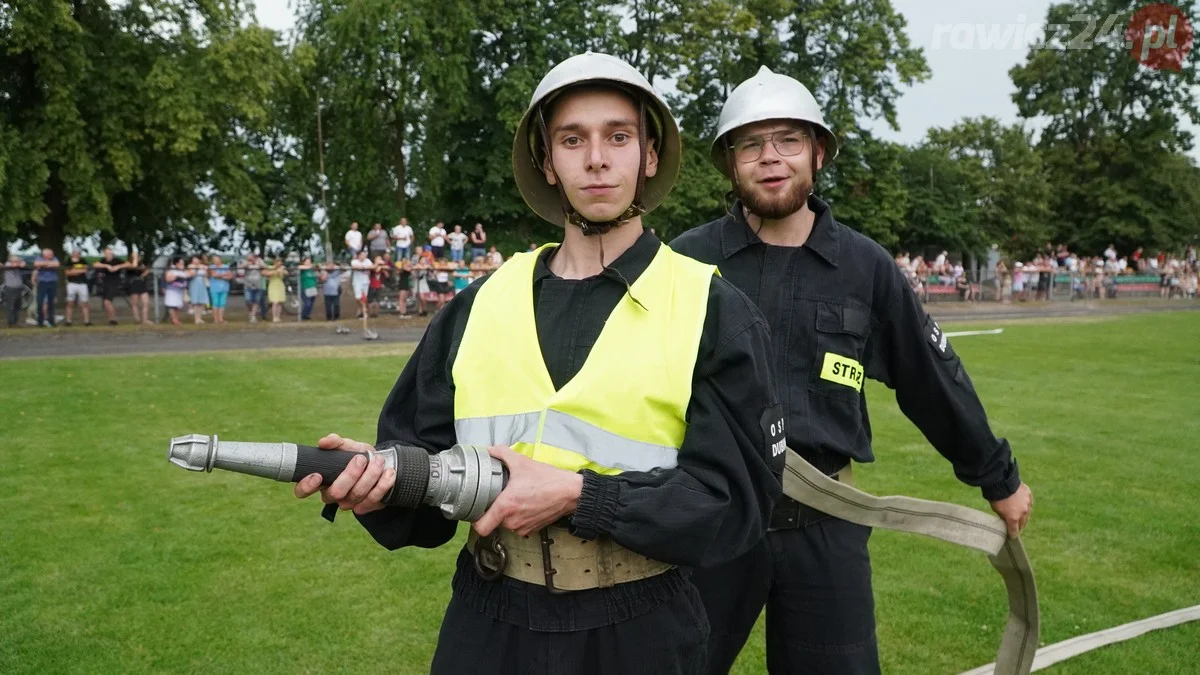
(604, 447)
(569, 433)
(498, 430)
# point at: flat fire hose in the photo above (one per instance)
(948, 522)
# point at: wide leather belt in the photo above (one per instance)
(561, 562)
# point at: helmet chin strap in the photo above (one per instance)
(636, 208)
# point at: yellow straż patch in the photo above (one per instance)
(842, 370)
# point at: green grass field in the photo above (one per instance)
(113, 561)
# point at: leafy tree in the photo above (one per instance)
(976, 184)
(123, 120)
(1113, 143)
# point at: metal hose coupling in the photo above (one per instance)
(462, 482)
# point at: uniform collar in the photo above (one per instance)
(626, 268)
(823, 240)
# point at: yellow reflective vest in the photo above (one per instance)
(625, 410)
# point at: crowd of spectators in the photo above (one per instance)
(1166, 274)
(110, 277)
(384, 270)
(1036, 278)
(391, 271)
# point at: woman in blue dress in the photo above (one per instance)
(198, 287)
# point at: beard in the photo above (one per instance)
(774, 207)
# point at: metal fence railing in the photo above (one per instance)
(309, 293)
(301, 292)
(415, 287)
(1031, 285)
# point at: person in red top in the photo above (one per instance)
(376, 286)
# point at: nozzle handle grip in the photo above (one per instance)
(329, 463)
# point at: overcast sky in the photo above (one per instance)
(970, 46)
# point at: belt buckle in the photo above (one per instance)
(490, 556)
(547, 567)
(785, 515)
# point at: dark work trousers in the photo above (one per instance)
(816, 584)
(667, 640)
(333, 307)
(12, 305)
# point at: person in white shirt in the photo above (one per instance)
(354, 241)
(1111, 252)
(437, 240)
(916, 264)
(402, 237)
(494, 257)
(442, 286)
(458, 243)
(360, 278)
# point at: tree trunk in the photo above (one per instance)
(398, 162)
(399, 121)
(53, 228)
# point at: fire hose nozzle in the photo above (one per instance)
(192, 452)
(462, 482)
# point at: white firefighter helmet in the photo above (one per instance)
(528, 150)
(768, 96)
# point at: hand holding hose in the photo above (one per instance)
(1015, 510)
(536, 495)
(361, 487)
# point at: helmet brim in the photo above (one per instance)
(544, 198)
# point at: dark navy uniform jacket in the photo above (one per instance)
(840, 310)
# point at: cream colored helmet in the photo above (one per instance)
(768, 96)
(549, 201)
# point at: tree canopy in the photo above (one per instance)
(185, 122)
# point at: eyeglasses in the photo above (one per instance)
(788, 143)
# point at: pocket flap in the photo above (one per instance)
(829, 318)
(855, 321)
(834, 318)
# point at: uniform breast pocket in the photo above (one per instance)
(841, 334)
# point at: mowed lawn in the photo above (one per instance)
(114, 561)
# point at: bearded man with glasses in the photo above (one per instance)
(840, 311)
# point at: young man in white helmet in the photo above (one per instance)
(626, 388)
(837, 306)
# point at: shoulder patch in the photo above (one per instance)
(775, 437)
(938, 342)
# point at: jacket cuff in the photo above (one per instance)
(1005, 488)
(597, 506)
